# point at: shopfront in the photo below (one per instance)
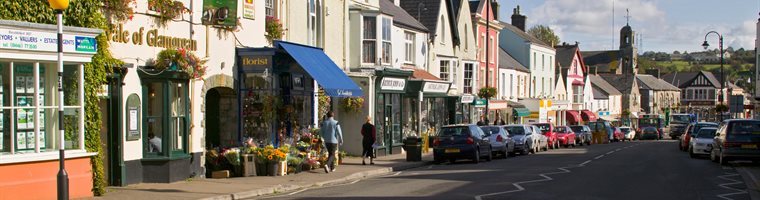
(279, 89)
(393, 111)
(464, 110)
(434, 107)
(29, 117)
(498, 111)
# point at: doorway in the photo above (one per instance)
(111, 132)
(221, 118)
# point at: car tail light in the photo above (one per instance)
(499, 139)
(731, 144)
(470, 140)
(436, 142)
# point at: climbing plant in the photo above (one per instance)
(81, 13)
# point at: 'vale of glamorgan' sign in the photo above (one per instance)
(151, 38)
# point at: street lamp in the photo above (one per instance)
(722, 77)
(63, 177)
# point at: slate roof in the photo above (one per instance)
(429, 15)
(474, 6)
(650, 82)
(594, 58)
(565, 55)
(522, 34)
(598, 81)
(621, 82)
(684, 79)
(598, 93)
(506, 61)
(400, 16)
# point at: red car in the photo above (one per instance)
(565, 135)
(618, 135)
(547, 130)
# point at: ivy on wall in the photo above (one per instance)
(81, 13)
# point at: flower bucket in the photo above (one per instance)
(282, 168)
(262, 169)
(249, 165)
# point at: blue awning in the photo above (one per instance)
(314, 60)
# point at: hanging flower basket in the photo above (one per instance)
(352, 105)
(487, 92)
(181, 60)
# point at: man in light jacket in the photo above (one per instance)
(332, 137)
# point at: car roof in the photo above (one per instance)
(710, 123)
(455, 125)
(708, 128)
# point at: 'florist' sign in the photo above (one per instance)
(46, 41)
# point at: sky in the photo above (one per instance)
(661, 25)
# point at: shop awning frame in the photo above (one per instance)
(313, 60)
(589, 116)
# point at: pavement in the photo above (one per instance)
(250, 187)
(622, 170)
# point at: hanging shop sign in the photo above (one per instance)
(434, 87)
(480, 103)
(467, 98)
(219, 12)
(46, 41)
(394, 84)
(249, 10)
(151, 38)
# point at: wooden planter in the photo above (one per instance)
(248, 161)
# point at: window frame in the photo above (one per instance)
(269, 8)
(367, 23)
(444, 70)
(386, 45)
(169, 138)
(468, 78)
(409, 47)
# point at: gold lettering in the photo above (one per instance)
(152, 38)
(255, 61)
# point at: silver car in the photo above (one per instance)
(501, 143)
(525, 141)
(543, 141)
(701, 143)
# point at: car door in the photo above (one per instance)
(719, 138)
(482, 142)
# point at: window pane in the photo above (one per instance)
(368, 51)
(369, 28)
(154, 111)
(178, 124)
(70, 125)
(5, 134)
(70, 84)
(386, 52)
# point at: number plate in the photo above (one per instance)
(452, 150)
(749, 146)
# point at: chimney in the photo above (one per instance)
(495, 9)
(518, 20)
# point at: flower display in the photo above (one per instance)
(183, 60)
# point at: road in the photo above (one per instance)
(624, 170)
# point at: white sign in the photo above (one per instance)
(435, 87)
(45, 41)
(248, 9)
(133, 119)
(396, 84)
(467, 98)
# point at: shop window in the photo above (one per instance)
(269, 8)
(369, 42)
(314, 23)
(28, 116)
(166, 119)
(256, 91)
(577, 94)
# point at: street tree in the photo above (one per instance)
(544, 33)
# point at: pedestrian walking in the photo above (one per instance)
(483, 121)
(332, 137)
(368, 141)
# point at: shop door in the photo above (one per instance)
(112, 134)
(388, 133)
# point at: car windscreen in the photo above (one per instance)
(700, 126)
(577, 129)
(680, 119)
(515, 130)
(625, 130)
(744, 128)
(650, 129)
(543, 127)
(706, 133)
(561, 129)
(489, 130)
(455, 131)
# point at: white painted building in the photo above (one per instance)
(534, 54)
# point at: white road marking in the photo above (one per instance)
(430, 167)
(600, 156)
(608, 153)
(519, 187)
(725, 186)
(584, 163)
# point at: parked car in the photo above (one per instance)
(628, 133)
(736, 139)
(602, 131)
(525, 141)
(701, 143)
(565, 135)
(582, 133)
(501, 143)
(649, 133)
(543, 141)
(461, 142)
(691, 130)
(617, 134)
(547, 130)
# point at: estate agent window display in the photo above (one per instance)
(28, 127)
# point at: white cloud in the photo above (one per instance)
(590, 23)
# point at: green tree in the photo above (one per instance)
(544, 33)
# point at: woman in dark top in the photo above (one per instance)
(368, 141)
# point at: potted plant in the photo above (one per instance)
(342, 155)
(352, 105)
(181, 60)
(233, 158)
(274, 29)
(487, 92)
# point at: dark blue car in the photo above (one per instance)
(461, 142)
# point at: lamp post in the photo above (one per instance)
(63, 177)
(722, 77)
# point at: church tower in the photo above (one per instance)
(628, 51)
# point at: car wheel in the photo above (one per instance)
(691, 152)
(723, 160)
(476, 156)
(490, 155)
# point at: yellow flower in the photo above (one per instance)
(269, 157)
